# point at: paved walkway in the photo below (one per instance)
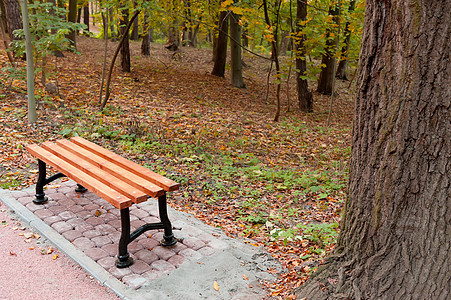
(87, 229)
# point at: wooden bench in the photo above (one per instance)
(117, 180)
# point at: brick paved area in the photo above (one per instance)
(93, 226)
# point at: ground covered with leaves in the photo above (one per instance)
(279, 185)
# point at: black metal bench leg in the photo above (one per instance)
(123, 259)
(80, 188)
(168, 237)
(40, 195)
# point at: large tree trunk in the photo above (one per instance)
(145, 44)
(396, 232)
(235, 53)
(220, 55)
(326, 77)
(13, 17)
(305, 97)
(86, 16)
(135, 27)
(125, 48)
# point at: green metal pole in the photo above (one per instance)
(30, 64)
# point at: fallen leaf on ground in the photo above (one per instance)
(245, 277)
(55, 256)
(14, 254)
(215, 285)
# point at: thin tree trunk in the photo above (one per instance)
(305, 97)
(135, 28)
(327, 74)
(396, 229)
(105, 36)
(221, 46)
(342, 65)
(86, 16)
(235, 52)
(111, 15)
(113, 60)
(125, 48)
(30, 64)
(145, 45)
(72, 17)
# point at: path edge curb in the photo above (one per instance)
(88, 264)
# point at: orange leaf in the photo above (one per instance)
(245, 277)
(215, 285)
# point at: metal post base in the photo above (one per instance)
(168, 241)
(40, 199)
(80, 188)
(124, 261)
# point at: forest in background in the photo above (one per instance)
(276, 184)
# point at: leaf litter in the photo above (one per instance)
(263, 182)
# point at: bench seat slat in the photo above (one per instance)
(131, 192)
(166, 183)
(92, 184)
(138, 182)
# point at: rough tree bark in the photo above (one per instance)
(135, 27)
(305, 97)
(396, 231)
(235, 52)
(125, 48)
(326, 77)
(72, 17)
(145, 44)
(86, 16)
(13, 17)
(220, 49)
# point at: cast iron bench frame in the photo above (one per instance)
(117, 180)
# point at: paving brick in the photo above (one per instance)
(50, 191)
(71, 235)
(163, 266)
(191, 230)
(76, 208)
(65, 189)
(151, 219)
(119, 273)
(152, 274)
(75, 221)
(66, 202)
(43, 213)
(158, 236)
(134, 247)
(177, 247)
(151, 209)
(81, 201)
(57, 209)
(20, 194)
(178, 223)
(218, 244)
(190, 254)
(133, 218)
(149, 243)
(112, 249)
(146, 256)
(52, 219)
(58, 196)
(206, 237)
(84, 227)
(105, 228)
(92, 233)
(107, 262)
(66, 215)
(193, 243)
(83, 243)
(115, 236)
(140, 213)
(96, 253)
(139, 267)
(176, 260)
(137, 223)
(92, 207)
(94, 221)
(84, 214)
(115, 223)
(33, 207)
(101, 241)
(25, 200)
(206, 251)
(163, 252)
(61, 226)
(107, 217)
(134, 281)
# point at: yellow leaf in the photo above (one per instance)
(55, 256)
(215, 285)
(245, 277)
(32, 248)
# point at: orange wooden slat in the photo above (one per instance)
(166, 183)
(80, 177)
(115, 183)
(138, 182)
